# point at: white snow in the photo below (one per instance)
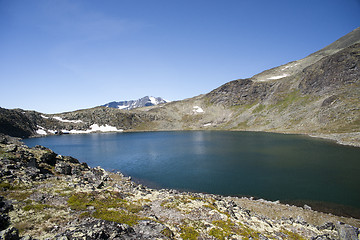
(41, 130)
(277, 77)
(123, 107)
(207, 124)
(153, 100)
(106, 128)
(44, 117)
(65, 120)
(52, 131)
(95, 128)
(198, 109)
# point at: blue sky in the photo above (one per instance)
(58, 56)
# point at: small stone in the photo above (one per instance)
(307, 207)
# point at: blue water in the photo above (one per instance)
(263, 165)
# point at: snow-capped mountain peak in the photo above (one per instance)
(142, 102)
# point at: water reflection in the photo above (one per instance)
(270, 166)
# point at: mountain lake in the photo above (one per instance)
(291, 168)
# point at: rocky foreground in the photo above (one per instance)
(49, 196)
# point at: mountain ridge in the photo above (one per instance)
(141, 102)
(318, 95)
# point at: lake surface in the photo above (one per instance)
(264, 165)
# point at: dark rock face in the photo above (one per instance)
(243, 91)
(15, 123)
(5, 207)
(340, 69)
(10, 233)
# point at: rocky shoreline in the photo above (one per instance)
(347, 139)
(48, 196)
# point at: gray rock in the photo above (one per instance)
(150, 230)
(27, 238)
(327, 226)
(347, 232)
(322, 237)
(32, 163)
(63, 168)
(68, 159)
(92, 229)
(306, 207)
(11, 148)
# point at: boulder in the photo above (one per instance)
(68, 159)
(347, 232)
(32, 163)
(10, 233)
(48, 157)
(4, 221)
(63, 168)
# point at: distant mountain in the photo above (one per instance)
(142, 102)
(317, 95)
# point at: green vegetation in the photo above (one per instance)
(119, 216)
(291, 98)
(5, 186)
(175, 202)
(167, 233)
(224, 229)
(14, 191)
(188, 232)
(291, 235)
(259, 108)
(108, 206)
(36, 207)
(242, 125)
(218, 233)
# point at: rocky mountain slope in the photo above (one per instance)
(142, 102)
(48, 196)
(318, 95)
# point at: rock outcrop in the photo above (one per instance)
(48, 196)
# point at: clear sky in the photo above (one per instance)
(64, 55)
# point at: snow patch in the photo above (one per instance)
(207, 124)
(41, 130)
(277, 77)
(123, 107)
(94, 128)
(153, 100)
(198, 109)
(69, 121)
(44, 117)
(106, 128)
